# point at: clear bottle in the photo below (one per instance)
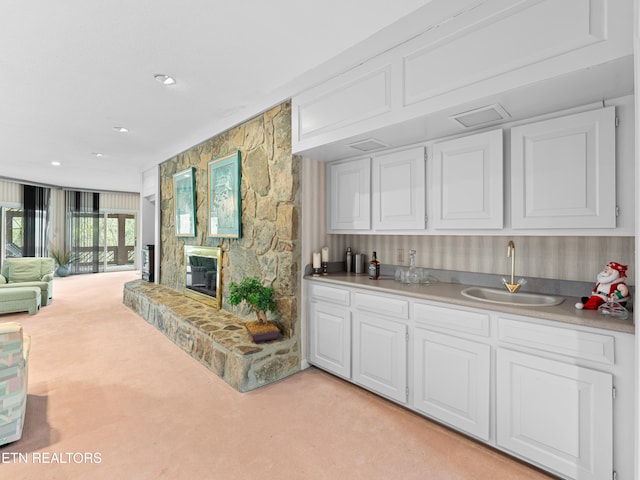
(374, 268)
(412, 273)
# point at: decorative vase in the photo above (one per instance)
(62, 271)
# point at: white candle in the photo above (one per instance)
(325, 254)
(316, 260)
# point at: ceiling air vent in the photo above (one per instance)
(368, 145)
(481, 116)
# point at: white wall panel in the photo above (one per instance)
(120, 201)
(347, 101)
(567, 25)
(10, 192)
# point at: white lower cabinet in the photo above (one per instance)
(451, 380)
(330, 338)
(542, 391)
(380, 355)
(556, 414)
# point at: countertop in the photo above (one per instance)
(450, 293)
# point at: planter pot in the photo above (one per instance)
(262, 332)
(62, 271)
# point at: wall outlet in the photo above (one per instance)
(400, 256)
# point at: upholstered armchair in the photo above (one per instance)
(14, 356)
(29, 272)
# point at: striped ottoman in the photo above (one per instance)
(14, 373)
(20, 299)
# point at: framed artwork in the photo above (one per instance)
(224, 176)
(184, 198)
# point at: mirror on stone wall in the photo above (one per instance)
(202, 267)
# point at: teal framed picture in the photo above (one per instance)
(225, 209)
(184, 202)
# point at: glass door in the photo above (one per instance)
(85, 234)
(119, 240)
(104, 241)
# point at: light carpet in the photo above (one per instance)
(111, 398)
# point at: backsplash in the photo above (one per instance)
(562, 258)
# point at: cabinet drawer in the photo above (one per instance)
(386, 306)
(452, 319)
(563, 341)
(339, 296)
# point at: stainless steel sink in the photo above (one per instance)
(494, 295)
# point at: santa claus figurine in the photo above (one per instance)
(610, 286)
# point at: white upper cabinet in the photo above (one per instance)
(398, 193)
(386, 193)
(350, 195)
(467, 182)
(563, 172)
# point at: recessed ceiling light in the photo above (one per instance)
(165, 79)
(56, 164)
(97, 154)
(121, 129)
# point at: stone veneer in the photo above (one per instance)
(215, 338)
(269, 248)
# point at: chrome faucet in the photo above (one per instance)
(513, 287)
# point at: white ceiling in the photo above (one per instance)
(71, 71)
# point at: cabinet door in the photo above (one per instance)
(563, 172)
(467, 182)
(380, 356)
(452, 381)
(350, 195)
(330, 338)
(398, 195)
(556, 414)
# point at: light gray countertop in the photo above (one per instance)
(450, 293)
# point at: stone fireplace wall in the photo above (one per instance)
(270, 244)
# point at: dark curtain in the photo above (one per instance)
(84, 231)
(36, 221)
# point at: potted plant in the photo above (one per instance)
(260, 299)
(63, 259)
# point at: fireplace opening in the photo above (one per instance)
(202, 274)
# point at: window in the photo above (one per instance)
(13, 232)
